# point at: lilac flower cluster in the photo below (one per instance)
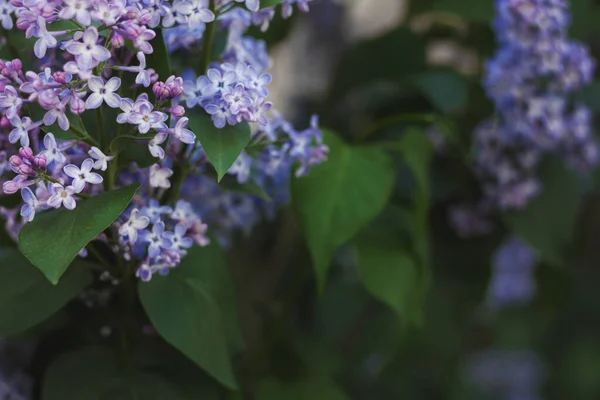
(88, 55)
(185, 35)
(160, 235)
(531, 80)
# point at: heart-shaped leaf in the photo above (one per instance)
(193, 308)
(222, 146)
(340, 196)
(26, 296)
(54, 238)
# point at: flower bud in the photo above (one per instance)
(178, 111)
(15, 161)
(144, 17)
(60, 77)
(77, 105)
(25, 169)
(40, 161)
(153, 75)
(10, 187)
(26, 153)
(161, 91)
(16, 64)
(117, 40)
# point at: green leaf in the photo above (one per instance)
(316, 387)
(98, 373)
(26, 296)
(222, 146)
(270, 3)
(417, 151)
(54, 238)
(193, 308)
(447, 90)
(159, 59)
(548, 222)
(473, 10)
(341, 196)
(388, 272)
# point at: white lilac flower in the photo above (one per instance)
(134, 224)
(31, 204)
(57, 112)
(154, 145)
(145, 118)
(181, 133)
(252, 5)
(142, 41)
(103, 92)
(10, 101)
(88, 52)
(178, 239)
(159, 177)
(100, 159)
(143, 76)
(82, 175)
(20, 133)
(63, 195)
(6, 9)
(45, 39)
(198, 13)
(77, 9)
(53, 151)
(177, 13)
(154, 211)
(156, 239)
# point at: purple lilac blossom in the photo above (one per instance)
(531, 80)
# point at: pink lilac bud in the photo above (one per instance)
(15, 161)
(26, 153)
(4, 122)
(40, 161)
(117, 40)
(144, 17)
(178, 111)
(25, 169)
(16, 64)
(133, 31)
(131, 14)
(175, 86)
(77, 105)
(153, 75)
(161, 91)
(60, 77)
(10, 187)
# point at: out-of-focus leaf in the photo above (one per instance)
(270, 3)
(339, 197)
(26, 296)
(447, 90)
(548, 222)
(194, 310)
(311, 388)
(473, 10)
(54, 238)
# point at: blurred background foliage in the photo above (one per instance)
(387, 326)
